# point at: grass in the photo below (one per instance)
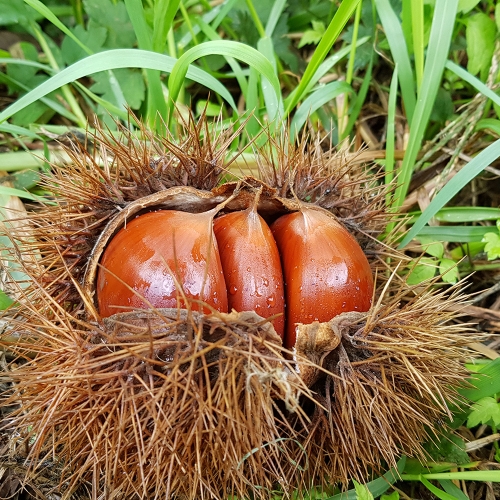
(372, 76)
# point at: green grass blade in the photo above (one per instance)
(334, 29)
(274, 106)
(439, 43)
(155, 100)
(50, 16)
(456, 234)
(135, 11)
(113, 109)
(417, 22)
(343, 109)
(51, 103)
(26, 62)
(213, 17)
(488, 124)
(439, 493)
(399, 51)
(211, 34)
(252, 127)
(113, 59)
(480, 475)
(8, 191)
(16, 130)
(255, 18)
(376, 487)
(391, 134)
(471, 170)
(467, 214)
(274, 16)
(450, 488)
(472, 80)
(325, 67)
(164, 13)
(225, 48)
(43, 40)
(18, 160)
(221, 13)
(316, 100)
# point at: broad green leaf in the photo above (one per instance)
(485, 411)
(449, 271)
(393, 496)
(484, 384)
(465, 6)
(112, 16)
(15, 13)
(492, 247)
(26, 179)
(497, 16)
(423, 271)
(447, 448)
(470, 249)
(131, 82)
(25, 73)
(5, 300)
(93, 41)
(314, 35)
(480, 35)
(36, 108)
(114, 59)
(435, 249)
(362, 491)
(471, 170)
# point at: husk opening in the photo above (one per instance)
(176, 404)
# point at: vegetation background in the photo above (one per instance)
(410, 86)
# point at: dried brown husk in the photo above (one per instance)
(173, 404)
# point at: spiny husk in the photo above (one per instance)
(386, 384)
(169, 404)
(173, 404)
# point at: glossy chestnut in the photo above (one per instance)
(162, 259)
(325, 270)
(251, 265)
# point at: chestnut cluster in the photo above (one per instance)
(303, 267)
